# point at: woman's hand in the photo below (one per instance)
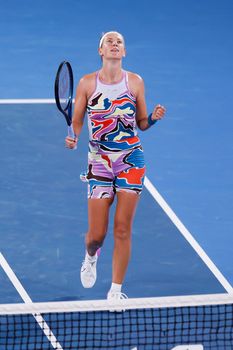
(158, 112)
(70, 142)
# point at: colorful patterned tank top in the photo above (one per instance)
(111, 112)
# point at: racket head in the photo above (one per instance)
(63, 90)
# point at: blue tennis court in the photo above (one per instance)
(182, 242)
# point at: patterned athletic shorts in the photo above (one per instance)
(115, 166)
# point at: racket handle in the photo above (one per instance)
(71, 133)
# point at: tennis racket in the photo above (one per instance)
(63, 89)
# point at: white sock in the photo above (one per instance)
(115, 287)
(90, 258)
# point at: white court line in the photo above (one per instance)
(159, 199)
(12, 101)
(24, 295)
(187, 235)
(26, 101)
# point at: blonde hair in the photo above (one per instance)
(105, 34)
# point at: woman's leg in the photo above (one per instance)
(98, 212)
(125, 210)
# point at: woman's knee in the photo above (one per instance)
(122, 231)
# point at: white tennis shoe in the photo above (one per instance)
(114, 297)
(88, 271)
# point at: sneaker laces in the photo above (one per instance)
(87, 265)
(88, 271)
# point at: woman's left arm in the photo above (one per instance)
(143, 120)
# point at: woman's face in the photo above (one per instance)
(113, 46)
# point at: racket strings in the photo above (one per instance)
(64, 90)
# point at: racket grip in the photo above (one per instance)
(71, 133)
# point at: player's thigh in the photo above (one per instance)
(125, 210)
(98, 216)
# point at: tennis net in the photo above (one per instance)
(184, 322)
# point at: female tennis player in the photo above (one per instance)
(115, 104)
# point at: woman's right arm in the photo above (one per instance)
(79, 112)
(84, 90)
